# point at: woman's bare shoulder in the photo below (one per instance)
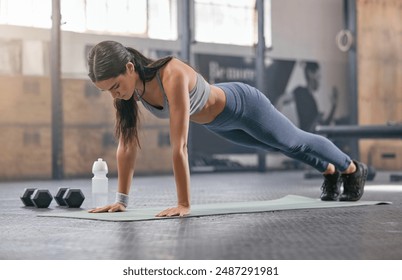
(177, 68)
(177, 64)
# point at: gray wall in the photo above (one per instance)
(306, 29)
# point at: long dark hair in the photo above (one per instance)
(107, 60)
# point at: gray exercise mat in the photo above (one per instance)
(289, 202)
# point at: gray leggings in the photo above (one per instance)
(249, 119)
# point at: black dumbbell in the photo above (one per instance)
(36, 197)
(72, 198)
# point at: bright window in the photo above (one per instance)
(162, 19)
(34, 13)
(216, 21)
(152, 18)
(229, 21)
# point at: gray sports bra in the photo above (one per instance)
(198, 97)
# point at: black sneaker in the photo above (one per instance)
(331, 187)
(353, 184)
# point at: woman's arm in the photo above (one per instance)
(176, 87)
(125, 156)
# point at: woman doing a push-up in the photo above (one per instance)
(169, 88)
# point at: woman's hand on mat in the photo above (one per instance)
(175, 211)
(115, 207)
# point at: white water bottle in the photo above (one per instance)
(100, 184)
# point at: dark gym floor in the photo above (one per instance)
(367, 232)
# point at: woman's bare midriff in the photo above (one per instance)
(214, 106)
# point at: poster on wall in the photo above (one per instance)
(309, 93)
